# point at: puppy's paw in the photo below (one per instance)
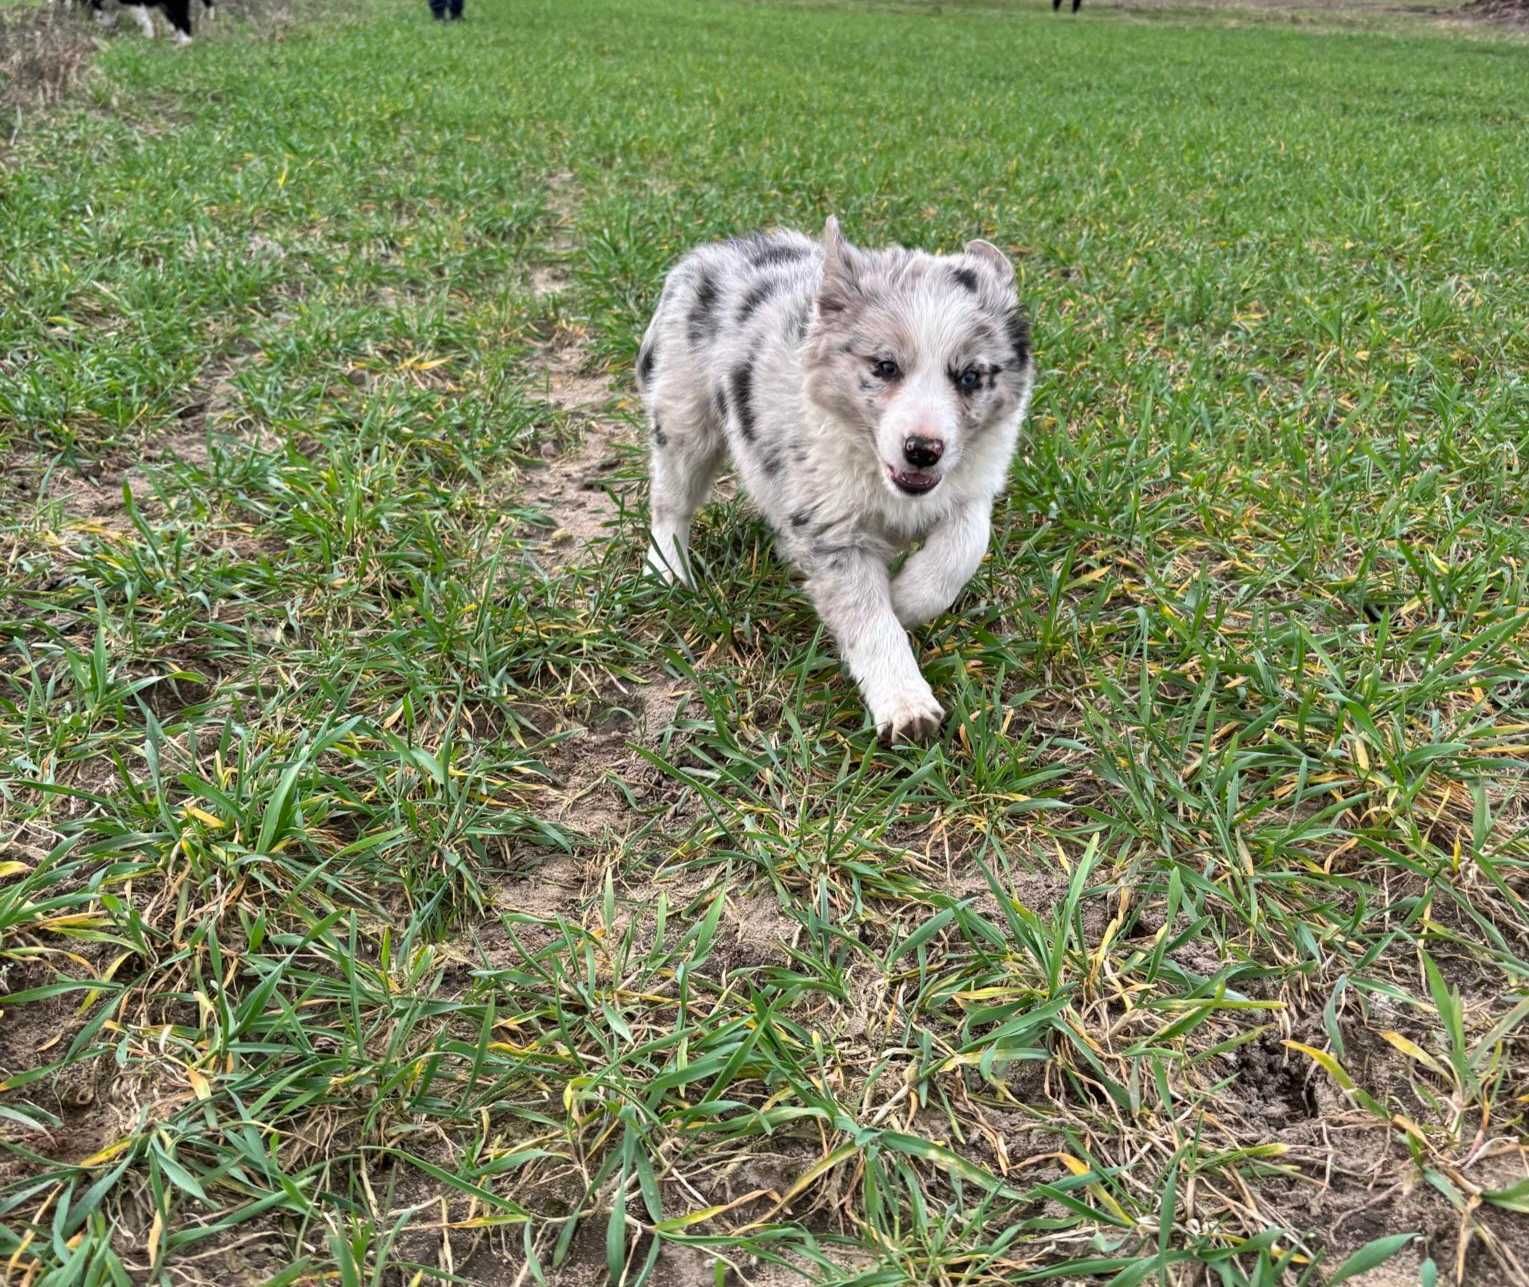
(670, 573)
(909, 717)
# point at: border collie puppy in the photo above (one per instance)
(176, 14)
(870, 401)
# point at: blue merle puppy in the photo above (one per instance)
(870, 401)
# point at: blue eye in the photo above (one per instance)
(885, 368)
(968, 380)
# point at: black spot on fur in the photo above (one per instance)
(770, 462)
(703, 318)
(801, 518)
(757, 295)
(763, 250)
(800, 322)
(1017, 327)
(833, 555)
(743, 385)
(659, 436)
(645, 361)
(966, 277)
(719, 400)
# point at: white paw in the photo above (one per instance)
(669, 553)
(909, 717)
(669, 570)
(181, 38)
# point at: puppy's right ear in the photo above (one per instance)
(840, 272)
(993, 258)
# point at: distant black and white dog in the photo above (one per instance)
(870, 401)
(176, 15)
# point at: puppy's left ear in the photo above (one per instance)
(841, 272)
(993, 258)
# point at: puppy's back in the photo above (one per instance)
(724, 303)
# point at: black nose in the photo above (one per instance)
(922, 453)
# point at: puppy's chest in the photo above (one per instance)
(820, 510)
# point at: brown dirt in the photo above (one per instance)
(32, 1036)
(1295, 9)
(591, 761)
(1511, 11)
(89, 496)
(95, 1103)
(45, 51)
(573, 488)
(678, 1265)
(1456, 15)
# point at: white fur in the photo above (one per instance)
(767, 349)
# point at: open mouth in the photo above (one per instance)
(913, 481)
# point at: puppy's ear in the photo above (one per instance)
(994, 258)
(841, 276)
(833, 239)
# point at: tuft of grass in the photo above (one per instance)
(392, 888)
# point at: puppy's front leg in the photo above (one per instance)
(853, 595)
(938, 571)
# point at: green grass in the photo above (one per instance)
(365, 916)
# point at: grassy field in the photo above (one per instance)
(395, 886)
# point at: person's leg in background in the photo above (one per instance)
(438, 10)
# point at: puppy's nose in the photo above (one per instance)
(922, 453)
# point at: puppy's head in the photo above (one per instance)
(922, 353)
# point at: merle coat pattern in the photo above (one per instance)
(870, 402)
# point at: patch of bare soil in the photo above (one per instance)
(1480, 1244)
(92, 1103)
(1511, 11)
(596, 765)
(573, 488)
(678, 1264)
(32, 1036)
(45, 51)
(47, 48)
(1343, 14)
(1294, 8)
(86, 500)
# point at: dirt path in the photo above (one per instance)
(572, 488)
